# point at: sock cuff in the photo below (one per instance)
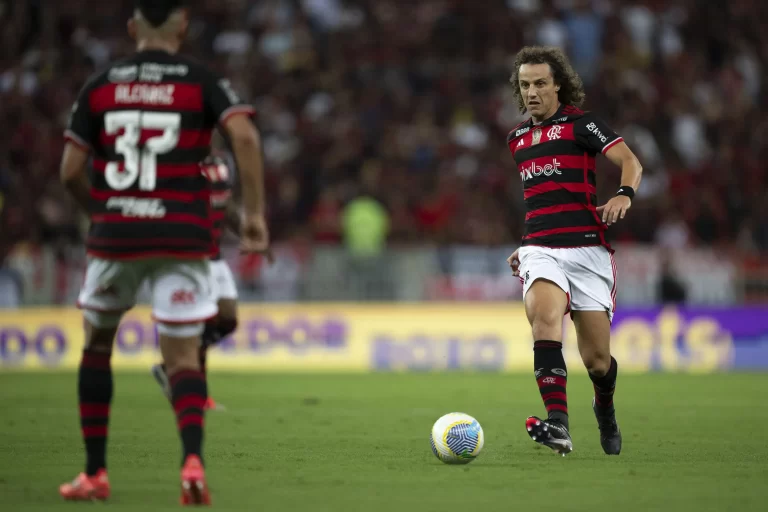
(547, 344)
(609, 379)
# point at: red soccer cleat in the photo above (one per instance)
(87, 488)
(211, 405)
(194, 490)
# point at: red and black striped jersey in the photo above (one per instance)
(218, 174)
(556, 162)
(148, 122)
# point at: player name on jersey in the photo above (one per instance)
(149, 133)
(556, 162)
(145, 94)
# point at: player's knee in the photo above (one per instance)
(100, 330)
(180, 345)
(182, 361)
(597, 363)
(547, 324)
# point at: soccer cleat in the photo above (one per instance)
(87, 488)
(158, 372)
(212, 405)
(610, 435)
(194, 490)
(550, 433)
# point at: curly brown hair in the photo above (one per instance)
(571, 87)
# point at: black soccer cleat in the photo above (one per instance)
(550, 433)
(610, 435)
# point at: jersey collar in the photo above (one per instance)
(550, 120)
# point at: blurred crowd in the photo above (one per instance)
(384, 121)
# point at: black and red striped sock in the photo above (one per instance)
(605, 386)
(552, 377)
(189, 392)
(94, 389)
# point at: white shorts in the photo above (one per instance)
(587, 275)
(180, 292)
(222, 281)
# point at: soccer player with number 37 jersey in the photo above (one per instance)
(565, 262)
(146, 124)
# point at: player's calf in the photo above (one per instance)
(552, 378)
(545, 304)
(94, 385)
(593, 330)
(180, 346)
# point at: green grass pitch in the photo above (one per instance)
(360, 443)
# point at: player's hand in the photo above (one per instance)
(614, 209)
(514, 262)
(254, 236)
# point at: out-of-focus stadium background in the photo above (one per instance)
(384, 126)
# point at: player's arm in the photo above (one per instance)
(595, 135)
(232, 217)
(631, 170)
(74, 160)
(631, 174)
(73, 174)
(246, 147)
(234, 117)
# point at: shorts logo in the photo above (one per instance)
(559, 371)
(554, 132)
(182, 297)
(527, 276)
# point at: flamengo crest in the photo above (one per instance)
(554, 132)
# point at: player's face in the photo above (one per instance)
(538, 89)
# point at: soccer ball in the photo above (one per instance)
(457, 438)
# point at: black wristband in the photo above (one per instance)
(626, 191)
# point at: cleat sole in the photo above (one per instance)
(194, 492)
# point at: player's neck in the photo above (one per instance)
(157, 44)
(551, 113)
